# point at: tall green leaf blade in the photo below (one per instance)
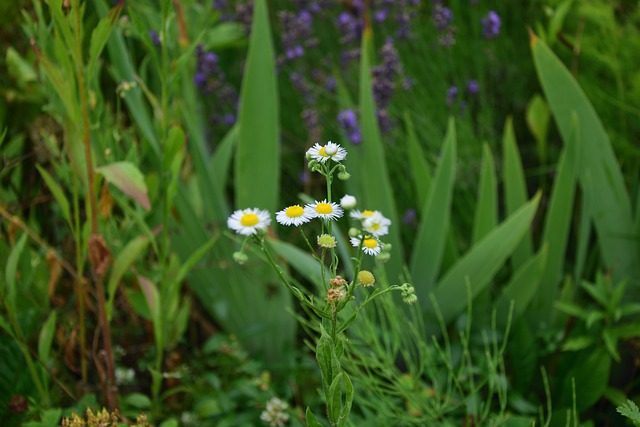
(557, 225)
(599, 173)
(257, 168)
(377, 189)
(125, 259)
(419, 167)
(431, 236)
(515, 188)
(484, 259)
(486, 214)
(58, 194)
(11, 272)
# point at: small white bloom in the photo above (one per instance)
(348, 201)
(325, 210)
(294, 215)
(361, 215)
(249, 221)
(322, 153)
(370, 245)
(376, 224)
(274, 413)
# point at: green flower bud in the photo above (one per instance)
(240, 257)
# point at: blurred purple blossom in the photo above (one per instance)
(350, 27)
(410, 217)
(311, 120)
(349, 122)
(155, 38)
(442, 17)
(473, 87)
(452, 94)
(491, 25)
(297, 33)
(210, 79)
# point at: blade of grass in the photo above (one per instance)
(486, 213)
(419, 167)
(515, 188)
(257, 167)
(599, 173)
(431, 236)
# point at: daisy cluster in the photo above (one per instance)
(369, 225)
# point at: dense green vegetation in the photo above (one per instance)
(296, 212)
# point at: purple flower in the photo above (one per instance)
(452, 94)
(330, 84)
(442, 16)
(349, 122)
(155, 38)
(410, 217)
(381, 15)
(349, 26)
(491, 25)
(473, 87)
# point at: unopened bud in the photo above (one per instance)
(240, 257)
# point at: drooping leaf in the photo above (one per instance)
(127, 178)
(600, 176)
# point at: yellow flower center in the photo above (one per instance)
(375, 226)
(366, 278)
(367, 213)
(322, 152)
(294, 211)
(324, 208)
(370, 243)
(249, 219)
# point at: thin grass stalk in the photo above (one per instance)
(96, 242)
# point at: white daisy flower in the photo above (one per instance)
(362, 214)
(376, 224)
(249, 221)
(294, 215)
(348, 201)
(322, 153)
(370, 245)
(325, 210)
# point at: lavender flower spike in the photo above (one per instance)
(491, 25)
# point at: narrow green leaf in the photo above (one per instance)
(125, 259)
(538, 116)
(221, 159)
(515, 188)
(346, 408)
(58, 194)
(432, 232)
(601, 179)
(571, 309)
(193, 259)
(324, 352)
(578, 343)
(377, 189)
(484, 259)
(127, 178)
(557, 225)
(19, 69)
(100, 35)
(257, 168)
(334, 404)
(223, 34)
(419, 167)
(10, 272)
(486, 213)
(47, 333)
(591, 374)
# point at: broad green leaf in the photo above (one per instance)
(524, 285)
(123, 261)
(578, 343)
(377, 189)
(572, 309)
(601, 179)
(11, 270)
(419, 167)
(137, 400)
(431, 236)
(557, 225)
(257, 167)
(223, 34)
(482, 261)
(486, 213)
(515, 188)
(590, 371)
(127, 178)
(47, 333)
(58, 194)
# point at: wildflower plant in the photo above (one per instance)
(337, 309)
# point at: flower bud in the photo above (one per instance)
(348, 201)
(344, 175)
(366, 278)
(354, 232)
(240, 257)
